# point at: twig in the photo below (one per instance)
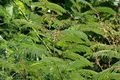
(43, 42)
(98, 63)
(21, 11)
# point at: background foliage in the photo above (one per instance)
(59, 40)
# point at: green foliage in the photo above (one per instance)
(59, 40)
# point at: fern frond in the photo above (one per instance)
(49, 67)
(80, 49)
(104, 75)
(99, 46)
(4, 16)
(107, 53)
(56, 8)
(77, 59)
(87, 74)
(106, 10)
(77, 65)
(25, 50)
(90, 26)
(6, 65)
(52, 6)
(74, 76)
(74, 36)
(108, 74)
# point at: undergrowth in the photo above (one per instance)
(59, 40)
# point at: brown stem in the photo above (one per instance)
(98, 63)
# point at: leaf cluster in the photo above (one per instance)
(59, 40)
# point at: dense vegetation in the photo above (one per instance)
(59, 40)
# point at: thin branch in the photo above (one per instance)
(98, 63)
(21, 11)
(43, 41)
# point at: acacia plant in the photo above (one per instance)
(59, 40)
